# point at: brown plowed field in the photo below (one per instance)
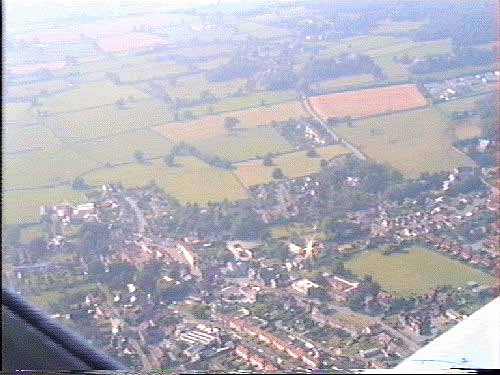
(370, 102)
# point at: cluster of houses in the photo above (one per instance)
(272, 340)
(453, 88)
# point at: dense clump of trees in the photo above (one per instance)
(238, 67)
(344, 65)
(185, 149)
(463, 56)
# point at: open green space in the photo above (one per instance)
(108, 120)
(90, 95)
(245, 143)
(121, 148)
(23, 206)
(389, 26)
(28, 138)
(18, 113)
(293, 165)
(44, 168)
(344, 83)
(243, 102)
(191, 180)
(417, 272)
(412, 142)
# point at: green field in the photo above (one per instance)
(344, 84)
(395, 27)
(149, 71)
(28, 138)
(121, 148)
(359, 44)
(89, 95)
(417, 272)
(190, 181)
(18, 113)
(44, 168)
(109, 120)
(293, 165)
(412, 142)
(191, 86)
(230, 104)
(394, 71)
(28, 90)
(246, 143)
(23, 206)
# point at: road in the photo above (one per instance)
(141, 222)
(307, 105)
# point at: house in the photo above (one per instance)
(342, 289)
(306, 287)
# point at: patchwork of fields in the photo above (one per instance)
(98, 106)
(415, 273)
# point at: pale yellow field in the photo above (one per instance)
(293, 165)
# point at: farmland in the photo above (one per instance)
(368, 102)
(347, 83)
(416, 272)
(89, 95)
(293, 165)
(256, 99)
(44, 168)
(23, 206)
(29, 138)
(412, 142)
(191, 180)
(112, 150)
(129, 42)
(395, 27)
(108, 120)
(210, 136)
(192, 86)
(18, 113)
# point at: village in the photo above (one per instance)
(173, 302)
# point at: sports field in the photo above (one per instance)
(293, 165)
(369, 102)
(191, 180)
(417, 272)
(412, 142)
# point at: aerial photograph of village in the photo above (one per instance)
(252, 186)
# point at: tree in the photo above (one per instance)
(312, 153)
(268, 160)
(230, 123)
(200, 311)
(120, 103)
(139, 156)
(323, 163)
(169, 159)
(278, 174)
(79, 183)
